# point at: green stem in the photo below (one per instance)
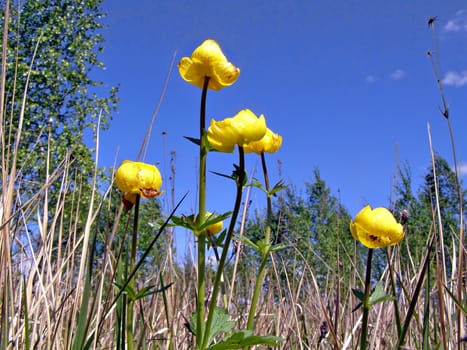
(266, 249)
(257, 290)
(225, 249)
(131, 283)
(200, 311)
(393, 288)
(366, 306)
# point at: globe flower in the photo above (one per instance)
(208, 61)
(376, 228)
(270, 143)
(243, 128)
(212, 229)
(215, 228)
(135, 178)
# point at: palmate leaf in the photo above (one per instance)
(248, 242)
(221, 323)
(279, 186)
(379, 295)
(245, 338)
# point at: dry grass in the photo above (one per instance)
(55, 288)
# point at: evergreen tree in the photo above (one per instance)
(313, 226)
(422, 208)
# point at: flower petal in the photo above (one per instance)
(208, 60)
(376, 228)
(270, 143)
(138, 178)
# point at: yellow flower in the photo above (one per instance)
(212, 229)
(376, 228)
(138, 178)
(240, 130)
(270, 143)
(208, 61)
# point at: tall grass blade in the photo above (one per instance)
(413, 301)
(27, 330)
(84, 318)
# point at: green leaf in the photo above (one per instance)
(191, 326)
(379, 295)
(214, 219)
(359, 305)
(255, 183)
(248, 242)
(149, 290)
(279, 186)
(264, 247)
(220, 323)
(193, 139)
(218, 240)
(244, 338)
(187, 222)
(223, 175)
(359, 294)
(133, 295)
(458, 303)
(278, 247)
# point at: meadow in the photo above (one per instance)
(87, 259)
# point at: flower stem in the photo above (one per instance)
(200, 311)
(366, 305)
(266, 250)
(131, 283)
(225, 249)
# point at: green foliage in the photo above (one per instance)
(316, 224)
(245, 339)
(221, 324)
(422, 208)
(59, 41)
(236, 340)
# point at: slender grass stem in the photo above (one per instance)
(366, 306)
(393, 288)
(436, 65)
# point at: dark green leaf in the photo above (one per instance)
(244, 338)
(359, 294)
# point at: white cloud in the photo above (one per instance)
(452, 26)
(457, 23)
(370, 78)
(463, 169)
(456, 79)
(397, 74)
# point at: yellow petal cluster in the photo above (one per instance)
(376, 228)
(270, 143)
(208, 60)
(243, 128)
(213, 229)
(138, 178)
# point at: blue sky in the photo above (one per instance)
(348, 85)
